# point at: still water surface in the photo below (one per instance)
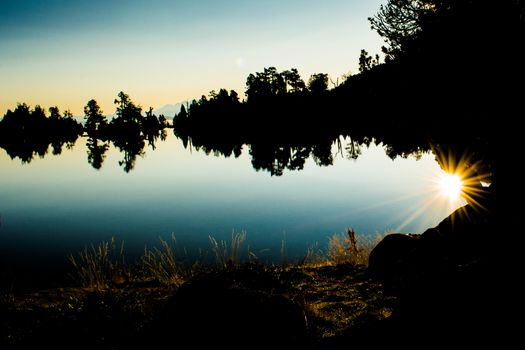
(55, 206)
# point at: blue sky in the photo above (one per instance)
(64, 53)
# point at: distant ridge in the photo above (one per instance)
(169, 110)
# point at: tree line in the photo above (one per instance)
(448, 80)
(451, 77)
(26, 133)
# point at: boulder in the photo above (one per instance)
(449, 278)
(387, 261)
(406, 260)
(212, 309)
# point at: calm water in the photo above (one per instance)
(56, 205)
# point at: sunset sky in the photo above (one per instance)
(64, 52)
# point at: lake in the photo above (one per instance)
(54, 206)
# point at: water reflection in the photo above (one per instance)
(270, 155)
(57, 205)
(26, 133)
(96, 150)
(276, 156)
(277, 140)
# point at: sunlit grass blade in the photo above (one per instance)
(227, 255)
(161, 264)
(351, 248)
(102, 266)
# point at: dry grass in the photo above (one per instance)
(314, 256)
(161, 264)
(284, 260)
(351, 248)
(102, 266)
(227, 255)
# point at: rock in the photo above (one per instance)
(403, 261)
(387, 261)
(448, 278)
(214, 310)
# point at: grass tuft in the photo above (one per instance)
(314, 256)
(350, 248)
(102, 266)
(161, 264)
(228, 255)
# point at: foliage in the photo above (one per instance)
(293, 80)
(127, 111)
(265, 84)
(400, 20)
(278, 104)
(438, 53)
(128, 131)
(26, 132)
(318, 83)
(268, 84)
(96, 122)
(433, 89)
(366, 62)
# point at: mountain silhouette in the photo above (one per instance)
(170, 110)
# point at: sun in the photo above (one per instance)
(451, 186)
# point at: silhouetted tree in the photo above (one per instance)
(322, 153)
(400, 21)
(294, 80)
(67, 114)
(152, 128)
(234, 96)
(366, 62)
(127, 111)
(54, 113)
(95, 121)
(163, 121)
(25, 132)
(183, 115)
(54, 116)
(265, 84)
(318, 83)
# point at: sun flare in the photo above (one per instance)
(451, 186)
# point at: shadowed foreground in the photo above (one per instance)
(308, 306)
(447, 286)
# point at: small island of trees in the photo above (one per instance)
(26, 133)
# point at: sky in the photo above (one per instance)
(66, 52)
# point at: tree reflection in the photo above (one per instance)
(96, 152)
(26, 133)
(276, 158)
(131, 145)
